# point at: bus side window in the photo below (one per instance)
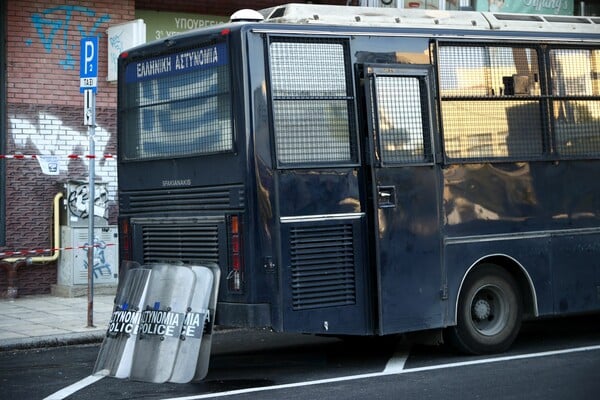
(575, 75)
(491, 105)
(402, 119)
(312, 100)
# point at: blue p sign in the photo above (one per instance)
(88, 64)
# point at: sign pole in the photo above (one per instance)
(88, 85)
(92, 198)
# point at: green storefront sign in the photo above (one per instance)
(162, 24)
(556, 7)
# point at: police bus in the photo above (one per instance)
(360, 171)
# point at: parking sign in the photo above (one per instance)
(88, 64)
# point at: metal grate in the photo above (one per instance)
(183, 199)
(402, 120)
(180, 243)
(312, 101)
(575, 77)
(322, 266)
(492, 129)
(176, 113)
(491, 102)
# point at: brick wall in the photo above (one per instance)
(45, 116)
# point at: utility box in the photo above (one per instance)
(74, 263)
(72, 273)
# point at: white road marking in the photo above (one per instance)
(77, 386)
(396, 363)
(384, 373)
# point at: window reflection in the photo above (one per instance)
(400, 118)
(491, 103)
(311, 101)
(179, 114)
(575, 75)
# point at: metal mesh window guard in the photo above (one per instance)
(575, 77)
(491, 102)
(402, 120)
(312, 102)
(179, 114)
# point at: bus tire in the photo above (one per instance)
(489, 313)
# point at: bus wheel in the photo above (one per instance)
(489, 312)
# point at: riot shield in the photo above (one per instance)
(161, 327)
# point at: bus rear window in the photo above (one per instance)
(177, 105)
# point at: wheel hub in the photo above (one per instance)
(481, 310)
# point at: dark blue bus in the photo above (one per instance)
(354, 172)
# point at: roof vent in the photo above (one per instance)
(246, 15)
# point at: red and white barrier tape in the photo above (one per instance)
(70, 156)
(42, 251)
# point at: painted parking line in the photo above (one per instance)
(77, 386)
(396, 363)
(391, 371)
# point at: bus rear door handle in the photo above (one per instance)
(386, 196)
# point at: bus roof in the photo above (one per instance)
(432, 19)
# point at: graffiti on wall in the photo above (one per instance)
(102, 268)
(53, 26)
(49, 135)
(78, 201)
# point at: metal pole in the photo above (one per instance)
(91, 201)
(88, 84)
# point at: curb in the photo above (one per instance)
(72, 339)
(67, 339)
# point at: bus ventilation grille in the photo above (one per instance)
(183, 199)
(322, 266)
(180, 243)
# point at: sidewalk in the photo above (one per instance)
(45, 320)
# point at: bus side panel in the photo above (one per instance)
(532, 254)
(264, 281)
(323, 268)
(543, 215)
(323, 278)
(576, 272)
(569, 194)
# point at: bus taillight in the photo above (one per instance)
(235, 274)
(125, 239)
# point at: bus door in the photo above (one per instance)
(404, 202)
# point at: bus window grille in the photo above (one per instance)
(178, 113)
(313, 103)
(492, 105)
(403, 119)
(576, 101)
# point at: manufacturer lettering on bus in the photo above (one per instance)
(177, 182)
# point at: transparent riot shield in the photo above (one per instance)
(196, 336)
(116, 351)
(161, 326)
(169, 294)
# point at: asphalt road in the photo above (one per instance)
(558, 359)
